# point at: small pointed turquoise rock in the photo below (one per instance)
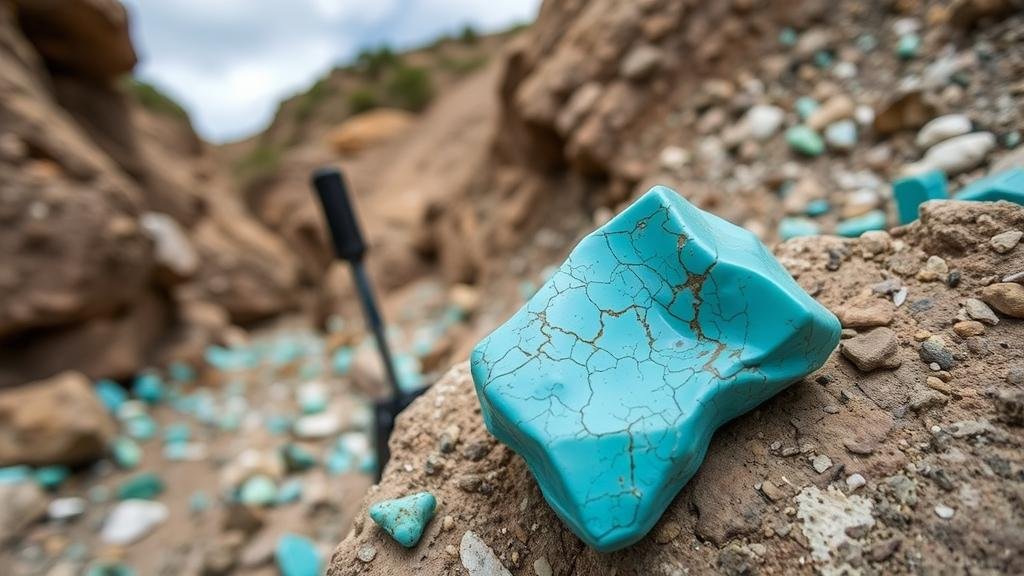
(111, 394)
(915, 190)
(854, 227)
(297, 556)
(805, 141)
(126, 453)
(1006, 185)
(149, 388)
(405, 518)
(142, 486)
(662, 325)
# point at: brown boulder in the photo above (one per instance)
(85, 37)
(369, 129)
(54, 421)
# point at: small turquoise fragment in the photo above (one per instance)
(817, 207)
(297, 458)
(198, 502)
(126, 453)
(823, 59)
(805, 141)
(908, 46)
(796, 227)
(106, 568)
(149, 388)
(341, 361)
(1007, 185)
(405, 518)
(143, 486)
(913, 191)
(177, 433)
(661, 326)
(15, 475)
(805, 106)
(788, 37)
(258, 490)
(297, 556)
(111, 394)
(854, 227)
(51, 477)
(140, 427)
(340, 461)
(181, 372)
(289, 492)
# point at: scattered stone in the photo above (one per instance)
(969, 328)
(478, 558)
(541, 567)
(366, 553)
(1006, 241)
(762, 121)
(667, 532)
(957, 154)
(841, 135)
(903, 488)
(877, 349)
(854, 227)
(912, 191)
(21, 504)
(942, 128)
(773, 492)
(143, 486)
(826, 516)
(944, 512)
(149, 388)
(821, 463)
(1008, 186)
(126, 453)
(968, 428)
(980, 311)
(924, 400)
(1006, 297)
(937, 384)
(935, 268)
(1010, 405)
(317, 426)
(297, 556)
(405, 518)
(132, 520)
(834, 109)
(791, 227)
(854, 481)
(258, 490)
(66, 508)
(641, 62)
(805, 141)
(59, 420)
(867, 314)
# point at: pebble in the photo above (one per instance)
(969, 328)
(908, 47)
(1005, 241)
(841, 135)
(366, 553)
(149, 388)
(935, 268)
(763, 121)
(315, 426)
(805, 106)
(143, 486)
(66, 508)
(1006, 297)
(834, 109)
(405, 518)
(478, 558)
(854, 481)
(796, 227)
(674, 158)
(541, 567)
(942, 128)
(258, 490)
(877, 349)
(821, 463)
(111, 394)
(944, 512)
(131, 520)
(805, 141)
(934, 350)
(956, 155)
(874, 312)
(297, 556)
(51, 477)
(980, 311)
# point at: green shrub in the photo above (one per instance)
(410, 87)
(153, 99)
(361, 100)
(374, 62)
(469, 35)
(262, 161)
(313, 97)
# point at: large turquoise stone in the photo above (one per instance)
(1006, 185)
(915, 190)
(662, 325)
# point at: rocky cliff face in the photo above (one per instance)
(900, 455)
(122, 242)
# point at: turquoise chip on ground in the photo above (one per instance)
(405, 518)
(297, 556)
(143, 486)
(126, 453)
(805, 141)
(662, 325)
(149, 388)
(796, 227)
(51, 477)
(915, 190)
(258, 490)
(854, 227)
(111, 394)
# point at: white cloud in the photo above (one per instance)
(229, 62)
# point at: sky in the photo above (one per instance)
(229, 62)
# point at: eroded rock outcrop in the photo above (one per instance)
(893, 457)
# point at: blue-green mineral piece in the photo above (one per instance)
(1006, 185)
(662, 325)
(297, 556)
(912, 191)
(405, 518)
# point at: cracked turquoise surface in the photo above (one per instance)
(662, 325)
